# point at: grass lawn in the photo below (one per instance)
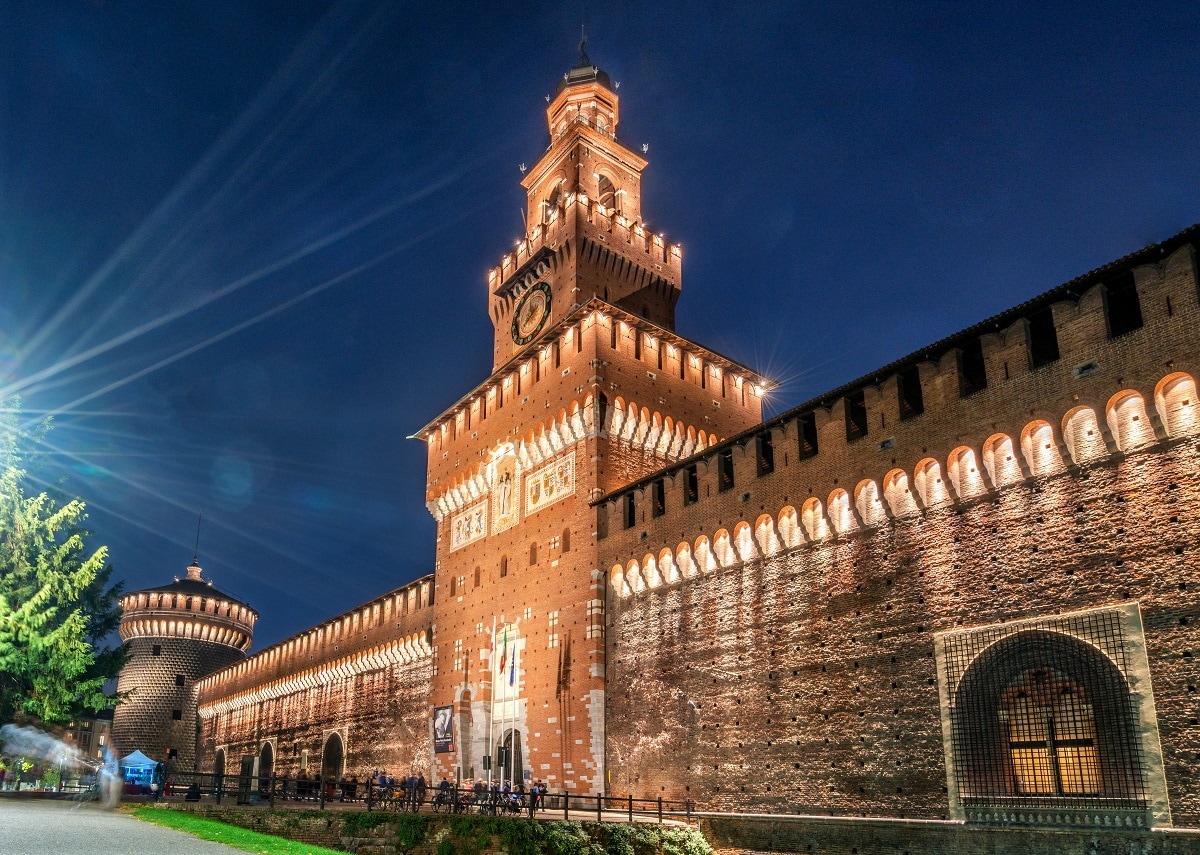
(230, 835)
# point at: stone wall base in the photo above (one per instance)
(751, 835)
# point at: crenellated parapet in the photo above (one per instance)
(605, 225)
(1100, 367)
(393, 628)
(215, 698)
(1133, 422)
(188, 608)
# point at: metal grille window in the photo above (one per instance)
(1052, 735)
(1042, 719)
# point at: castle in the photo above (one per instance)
(960, 586)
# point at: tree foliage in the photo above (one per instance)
(57, 605)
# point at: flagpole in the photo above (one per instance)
(491, 702)
(512, 754)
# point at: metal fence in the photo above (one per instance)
(285, 791)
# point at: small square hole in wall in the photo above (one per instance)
(177, 715)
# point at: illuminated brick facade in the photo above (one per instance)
(960, 586)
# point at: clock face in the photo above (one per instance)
(531, 314)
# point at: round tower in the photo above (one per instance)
(176, 634)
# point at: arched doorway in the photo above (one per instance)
(266, 765)
(1043, 719)
(510, 759)
(333, 759)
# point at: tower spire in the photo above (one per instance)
(584, 62)
(193, 571)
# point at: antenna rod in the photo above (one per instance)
(196, 554)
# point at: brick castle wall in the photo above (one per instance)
(771, 645)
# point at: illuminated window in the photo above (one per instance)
(1040, 718)
(1051, 735)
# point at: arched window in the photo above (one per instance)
(553, 201)
(1041, 718)
(1051, 733)
(607, 196)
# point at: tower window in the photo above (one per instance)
(658, 498)
(453, 586)
(1122, 307)
(178, 679)
(972, 373)
(566, 540)
(807, 429)
(764, 453)
(478, 577)
(725, 469)
(156, 650)
(691, 485)
(532, 554)
(503, 566)
(177, 715)
(1043, 338)
(908, 383)
(856, 415)
(607, 195)
(629, 511)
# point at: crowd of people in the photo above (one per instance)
(411, 792)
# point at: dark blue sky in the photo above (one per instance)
(243, 245)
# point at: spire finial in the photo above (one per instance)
(583, 57)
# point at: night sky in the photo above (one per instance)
(243, 245)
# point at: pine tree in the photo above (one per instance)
(56, 604)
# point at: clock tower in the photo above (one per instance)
(584, 194)
(591, 389)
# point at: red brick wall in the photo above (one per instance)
(806, 678)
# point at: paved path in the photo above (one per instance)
(71, 828)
